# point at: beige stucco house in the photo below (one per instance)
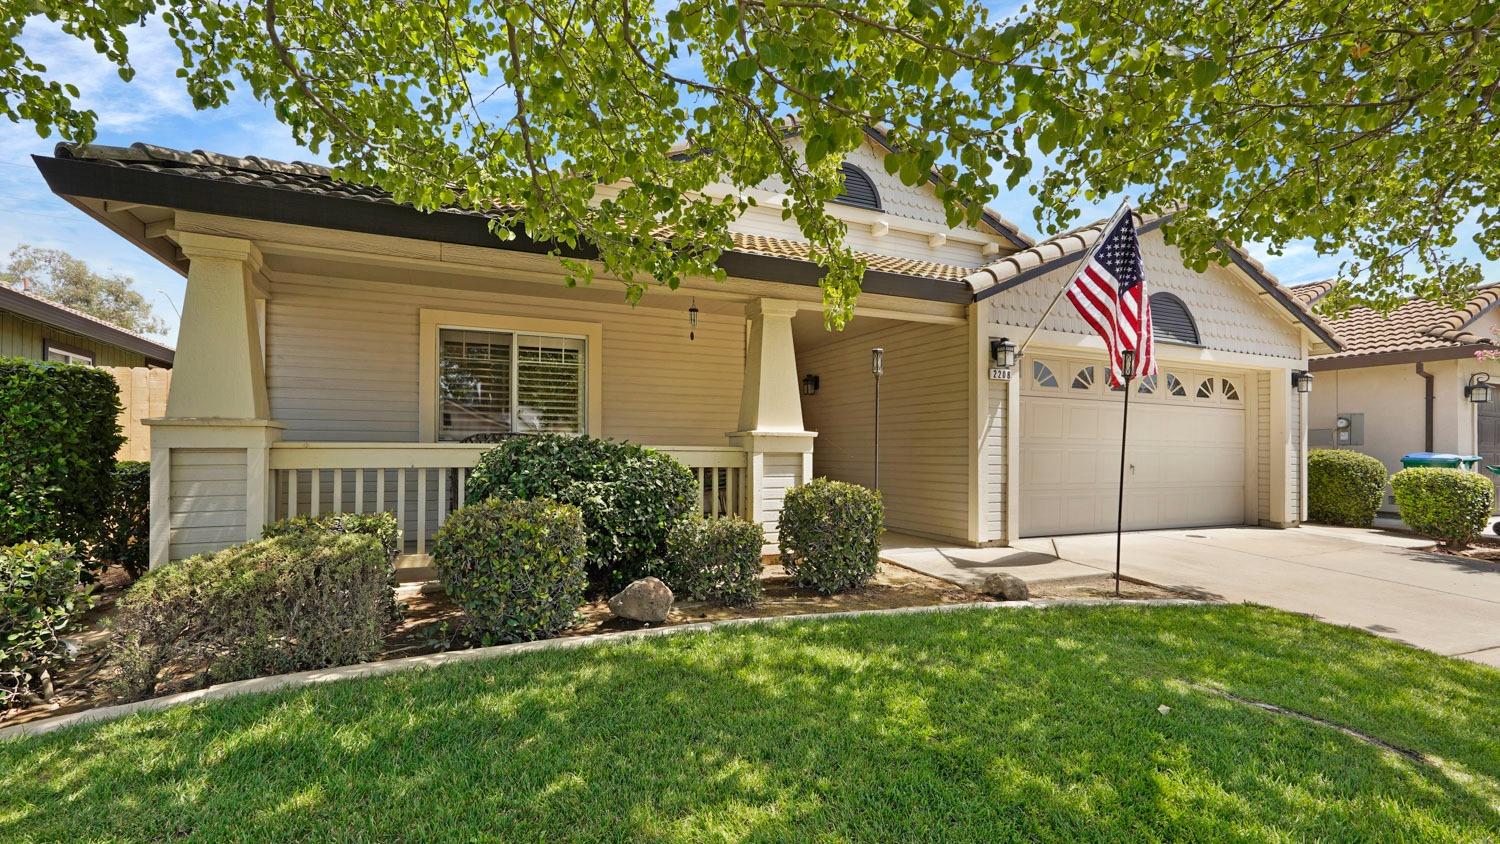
(1399, 384)
(337, 349)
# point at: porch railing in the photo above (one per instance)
(421, 484)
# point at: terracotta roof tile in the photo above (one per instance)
(1414, 326)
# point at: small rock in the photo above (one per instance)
(647, 599)
(1164, 709)
(1005, 586)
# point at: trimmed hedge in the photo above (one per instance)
(715, 560)
(58, 438)
(516, 567)
(1450, 505)
(125, 533)
(830, 535)
(381, 526)
(40, 596)
(630, 496)
(1344, 487)
(289, 603)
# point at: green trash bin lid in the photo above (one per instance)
(1431, 459)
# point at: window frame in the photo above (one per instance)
(75, 355)
(433, 321)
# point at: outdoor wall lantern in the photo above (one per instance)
(810, 385)
(1478, 390)
(1302, 381)
(1003, 353)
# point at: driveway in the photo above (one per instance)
(1378, 581)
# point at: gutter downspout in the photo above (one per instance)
(1430, 396)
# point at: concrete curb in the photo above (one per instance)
(376, 669)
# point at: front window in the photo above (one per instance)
(509, 382)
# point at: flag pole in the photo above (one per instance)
(1108, 226)
(1127, 359)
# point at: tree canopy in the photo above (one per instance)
(636, 126)
(59, 277)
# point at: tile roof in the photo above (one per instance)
(62, 316)
(317, 179)
(1047, 255)
(1417, 325)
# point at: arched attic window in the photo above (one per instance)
(859, 189)
(1172, 321)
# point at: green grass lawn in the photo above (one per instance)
(962, 726)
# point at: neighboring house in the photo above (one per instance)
(32, 327)
(337, 348)
(1399, 384)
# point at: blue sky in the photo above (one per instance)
(155, 108)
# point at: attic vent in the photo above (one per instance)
(859, 190)
(1172, 321)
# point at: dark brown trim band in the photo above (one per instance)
(1394, 358)
(81, 178)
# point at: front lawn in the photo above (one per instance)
(980, 725)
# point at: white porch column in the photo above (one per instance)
(777, 447)
(213, 444)
(1285, 427)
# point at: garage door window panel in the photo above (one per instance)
(1083, 377)
(1231, 391)
(1042, 376)
(1205, 389)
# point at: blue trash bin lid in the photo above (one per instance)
(1430, 455)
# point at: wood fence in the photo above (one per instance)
(143, 395)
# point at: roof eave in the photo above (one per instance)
(44, 312)
(81, 178)
(1394, 357)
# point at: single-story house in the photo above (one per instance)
(1400, 384)
(338, 349)
(35, 328)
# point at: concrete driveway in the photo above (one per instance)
(1378, 581)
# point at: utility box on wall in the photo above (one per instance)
(1349, 430)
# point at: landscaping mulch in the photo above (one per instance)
(1103, 587)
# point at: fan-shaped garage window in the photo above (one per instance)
(1172, 321)
(859, 189)
(1042, 374)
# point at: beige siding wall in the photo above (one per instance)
(208, 500)
(783, 471)
(1263, 445)
(23, 338)
(923, 426)
(993, 462)
(341, 361)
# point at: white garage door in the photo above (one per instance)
(1185, 463)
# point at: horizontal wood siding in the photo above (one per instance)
(341, 361)
(23, 338)
(783, 471)
(208, 500)
(923, 423)
(993, 462)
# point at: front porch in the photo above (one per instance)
(314, 381)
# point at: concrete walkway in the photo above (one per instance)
(1375, 580)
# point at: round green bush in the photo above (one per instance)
(58, 438)
(125, 532)
(515, 566)
(630, 496)
(830, 535)
(1450, 505)
(1344, 487)
(715, 560)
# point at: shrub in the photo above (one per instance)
(830, 535)
(381, 526)
(289, 603)
(630, 496)
(516, 567)
(40, 596)
(1344, 487)
(715, 560)
(125, 532)
(1449, 505)
(58, 438)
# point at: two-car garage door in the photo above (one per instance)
(1185, 465)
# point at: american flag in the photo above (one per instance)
(1109, 292)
